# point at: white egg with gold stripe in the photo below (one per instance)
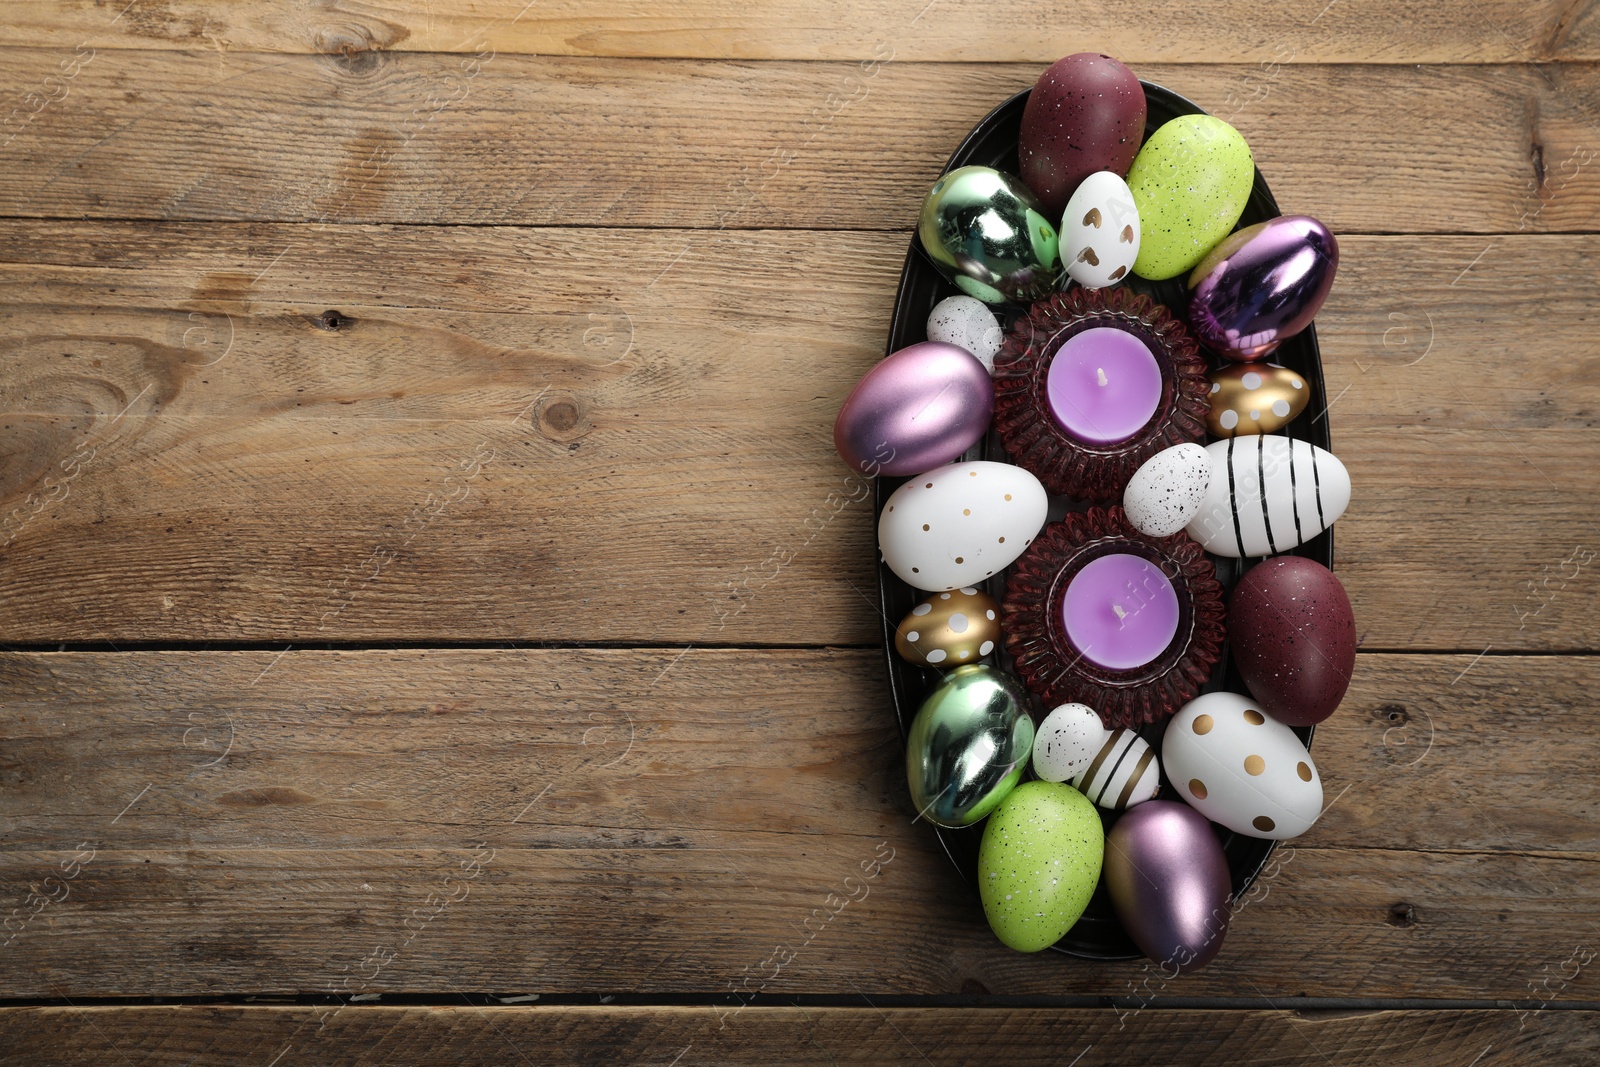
(1114, 768)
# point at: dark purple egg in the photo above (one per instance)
(1262, 285)
(1085, 114)
(919, 408)
(1168, 881)
(1293, 637)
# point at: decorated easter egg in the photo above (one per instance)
(1086, 113)
(1268, 494)
(989, 236)
(960, 524)
(1113, 768)
(1240, 767)
(1262, 285)
(1100, 231)
(1293, 637)
(967, 323)
(1038, 864)
(1251, 398)
(1190, 181)
(1168, 882)
(1165, 493)
(949, 629)
(919, 407)
(968, 745)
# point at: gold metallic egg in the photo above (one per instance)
(1251, 398)
(949, 629)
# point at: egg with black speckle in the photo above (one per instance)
(967, 322)
(1190, 181)
(949, 629)
(1038, 863)
(1165, 493)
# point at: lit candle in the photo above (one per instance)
(1104, 385)
(1120, 611)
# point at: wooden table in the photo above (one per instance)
(439, 630)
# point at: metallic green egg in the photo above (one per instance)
(968, 745)
(987, 233)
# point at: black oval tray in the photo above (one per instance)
(993, 143)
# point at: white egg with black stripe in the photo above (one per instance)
(1115, 769)
(1268, 494)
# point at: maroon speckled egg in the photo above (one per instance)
(1085, 114)
(1294, 638)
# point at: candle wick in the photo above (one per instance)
(1100, 373)
(1120, 613)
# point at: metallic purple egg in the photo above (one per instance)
(1262, 285)
(1169, 883)
(921, 407)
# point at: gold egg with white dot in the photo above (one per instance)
(1249, 398)
(949, 629)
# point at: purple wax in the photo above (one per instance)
(1120, 612)
(1103, 385)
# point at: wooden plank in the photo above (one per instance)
(1357, 30)
(759, 1036)
(653, 821)
(549, 140)
(264, 432)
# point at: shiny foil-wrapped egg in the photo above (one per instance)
(949, 629)
(1251, 398)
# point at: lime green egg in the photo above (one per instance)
(1039, 863)
(1190, 181)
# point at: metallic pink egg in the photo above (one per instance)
(1262, 285)
(921, 407)
(1169, 884)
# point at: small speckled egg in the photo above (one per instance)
(1240, 767)
(1165, 493)
(1100, 231)
(949, 629)
(967, 322)
(960, 524)
(1255, 398)
(1039, 863)
(1191, 181)
(1115, 769)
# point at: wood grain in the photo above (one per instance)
(652, 821)
(715, 144)
(263, 432)
(1358, 30)
(759, 1036)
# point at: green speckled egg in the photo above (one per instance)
(1039, 863)
(1190, 182)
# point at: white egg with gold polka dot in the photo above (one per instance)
(949, 629)
(1241, 768)
(959, 524)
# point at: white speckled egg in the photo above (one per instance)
(960, 524)
(968, 323)
(1100, 231)
(1114, 768)
(1267, 495)
(1165, 493)
(1242, 768)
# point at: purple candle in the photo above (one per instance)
(1120, 611)
(1103, 385)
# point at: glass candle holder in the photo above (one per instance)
(1091, 383)
(1070, 643)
